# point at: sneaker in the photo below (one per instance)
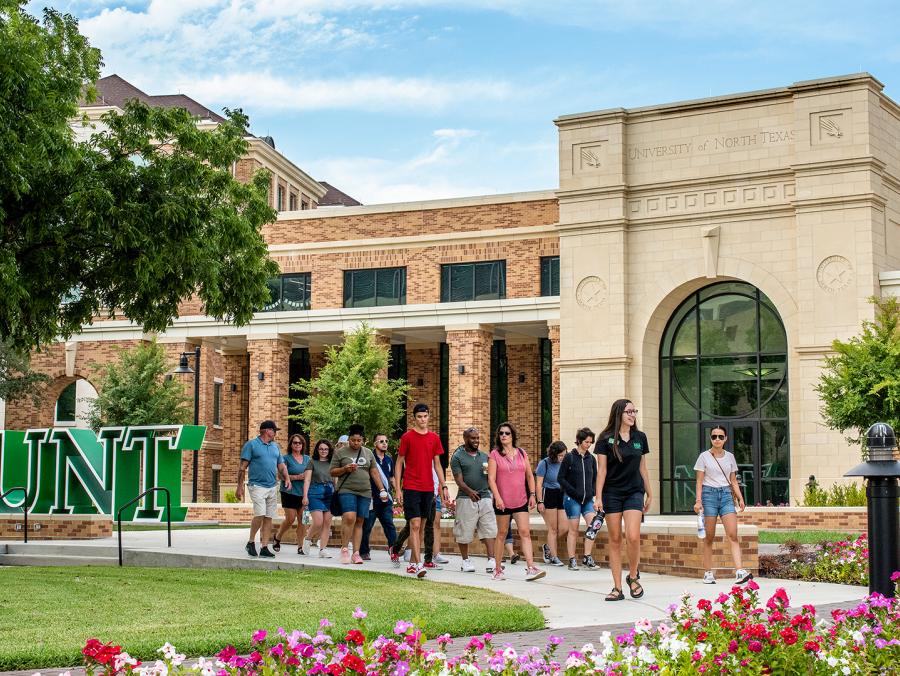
(412, 569)
(306, 546)
(365, 557)
(588, 562)
(324, 553)
(741, 576)
(709, 578)
(573, 563)
(556, 562)
(300, 551)
(345, 555)
(534, 573)
(439, 558)
(498, 575)
(547, 557)
(265, 553)
(251, 548)
(431, 565)
(466, 566)
(394, 558)
(356, 558)
(407, 555)
(489, 569)
(420, 572)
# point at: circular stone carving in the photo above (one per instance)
(834, 273)
(591, 292)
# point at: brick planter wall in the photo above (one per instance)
(56, 527)
(851, 519)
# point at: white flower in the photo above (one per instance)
(588, 648)
(573, 662)
(645, 655)
(435, 656)
(845, 671)
(510, 653)
(606, 642)
(858, 637)
(832, 661)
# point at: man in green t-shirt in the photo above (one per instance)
(352, 466)
(474, 502)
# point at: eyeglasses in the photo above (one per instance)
(717, 436)
(296, 442)
(504, 433)
(381, 441)
(633, 411)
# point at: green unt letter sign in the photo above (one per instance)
(68, 470)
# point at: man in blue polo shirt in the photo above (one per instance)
(262, 457)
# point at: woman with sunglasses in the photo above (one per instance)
(512, 485)
(623, 492)
(716, 479)
(294, 499)
(320, 496)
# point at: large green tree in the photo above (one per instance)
(350, 389)
(860, 383)
(134, 390)
(138, 218)
(17, 380)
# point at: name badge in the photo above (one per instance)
(637, 445)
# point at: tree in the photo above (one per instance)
(17, 380)
(135, 391)
(133, 221)
(860, 384)
(350, 389)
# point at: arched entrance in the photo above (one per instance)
(723, 360)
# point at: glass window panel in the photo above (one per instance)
(775, 492)
(295, 294)
(665, 451)
(389, 286)
(274, 303)
(665, 370)
(685, 389)
(684, 494)
(774, 456)
(727, 287)
(462, 283)
(728, 386)
(674, 324)
(773, 386)
(771, 332)
(686, 448)
(65, 404)
(728, 325)
(685, 342)
(363, 288)
(445, 283)
(488, 281)
(550, 276)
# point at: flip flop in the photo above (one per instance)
(276, 546)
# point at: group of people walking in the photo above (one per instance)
(495, 488)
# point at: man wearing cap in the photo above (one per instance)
(262, 457)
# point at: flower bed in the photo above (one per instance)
(733, 633)
(843, 562)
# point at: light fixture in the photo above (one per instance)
(260, 375)
(461, 369)
(521, 378)
(420, 382)
(234, 387)
(183, 364)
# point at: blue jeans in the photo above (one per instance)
(717, 501)
(575, 509)
(384, 513)
(358, 504)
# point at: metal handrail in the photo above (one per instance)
(24, 505)
(134, 500)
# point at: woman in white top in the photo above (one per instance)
(716, 479)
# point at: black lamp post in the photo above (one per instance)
(881, 472)
(184, 368)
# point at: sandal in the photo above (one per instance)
(277, 545)
(634, 587)
(615, 595)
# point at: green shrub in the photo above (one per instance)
(838, 495)
(231, 497)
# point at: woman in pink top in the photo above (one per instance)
(512, 485)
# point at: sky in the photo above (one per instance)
(424, 99)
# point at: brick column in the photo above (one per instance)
(268, 397)
(554, 354)
(470, 392)
(524, 359)
(383, 339)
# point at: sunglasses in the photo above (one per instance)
(717, 436)
(504, 433)
(632, 412)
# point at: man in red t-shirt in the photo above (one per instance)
(418, 457)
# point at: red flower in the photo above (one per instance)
(335, 669)
(704, 604)
(355, 636)
(812, 646)
(227, 653)
(702, 636)
(102, 653)
(354, 663)
(789, 636)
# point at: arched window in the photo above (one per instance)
(73, 403)
(723, 360)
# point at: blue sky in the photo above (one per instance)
(421, 99)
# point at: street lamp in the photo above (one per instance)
(881, 472)
(184, 368)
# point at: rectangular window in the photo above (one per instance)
(473, 281)
(499, 384)
(550, 275)
(289, 292)
(304, 205)
(217, 403)
(368, 288)
(292, 202)
(280, 205)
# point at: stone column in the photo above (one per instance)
(470, 391)
(554, 358)
(268, 397)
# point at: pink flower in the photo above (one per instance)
(259, 635)
(895, 576)
(752, 585)
(360, 614)
(402, 627)
(754, 646)
(324, 622)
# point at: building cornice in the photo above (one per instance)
(266, 155)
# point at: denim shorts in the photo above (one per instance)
(351, 502)
(616, 504)
(575, 509)
(717, 501)
(320, 497)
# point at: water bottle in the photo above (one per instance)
(701, 525)
(307, 517)
(596, 525)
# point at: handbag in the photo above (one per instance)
(734, 494)
(335, 505)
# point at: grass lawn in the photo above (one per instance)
(805, 537)
(48, 613)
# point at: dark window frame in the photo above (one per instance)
(278, 304)
(217, 403)
(350, 277)
(549, 275)
(449, 295)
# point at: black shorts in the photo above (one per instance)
(417, 504)
(553, 498)
(509, 511)
(291, 501)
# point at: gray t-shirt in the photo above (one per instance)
(322, 472)
(715, 476)
(356, 482)
(474, 471)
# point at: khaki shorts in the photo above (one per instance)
(474, 518)
(265, 500)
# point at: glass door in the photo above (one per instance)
(743, 442)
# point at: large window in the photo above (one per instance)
(723, 361)
(473, 281)
(289, 292)
(368, 288)
(550, 276)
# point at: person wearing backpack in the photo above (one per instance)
(578, 479)
(550, 499)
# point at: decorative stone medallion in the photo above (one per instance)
(591, 292)
(834, 273)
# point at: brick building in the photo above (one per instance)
(698, 257)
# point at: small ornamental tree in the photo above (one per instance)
(135, 391)
(349, 389)
(860, 384)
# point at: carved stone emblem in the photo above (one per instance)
(591, 292)
(834, 273)
(830, 127)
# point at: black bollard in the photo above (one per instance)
(882, 492)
